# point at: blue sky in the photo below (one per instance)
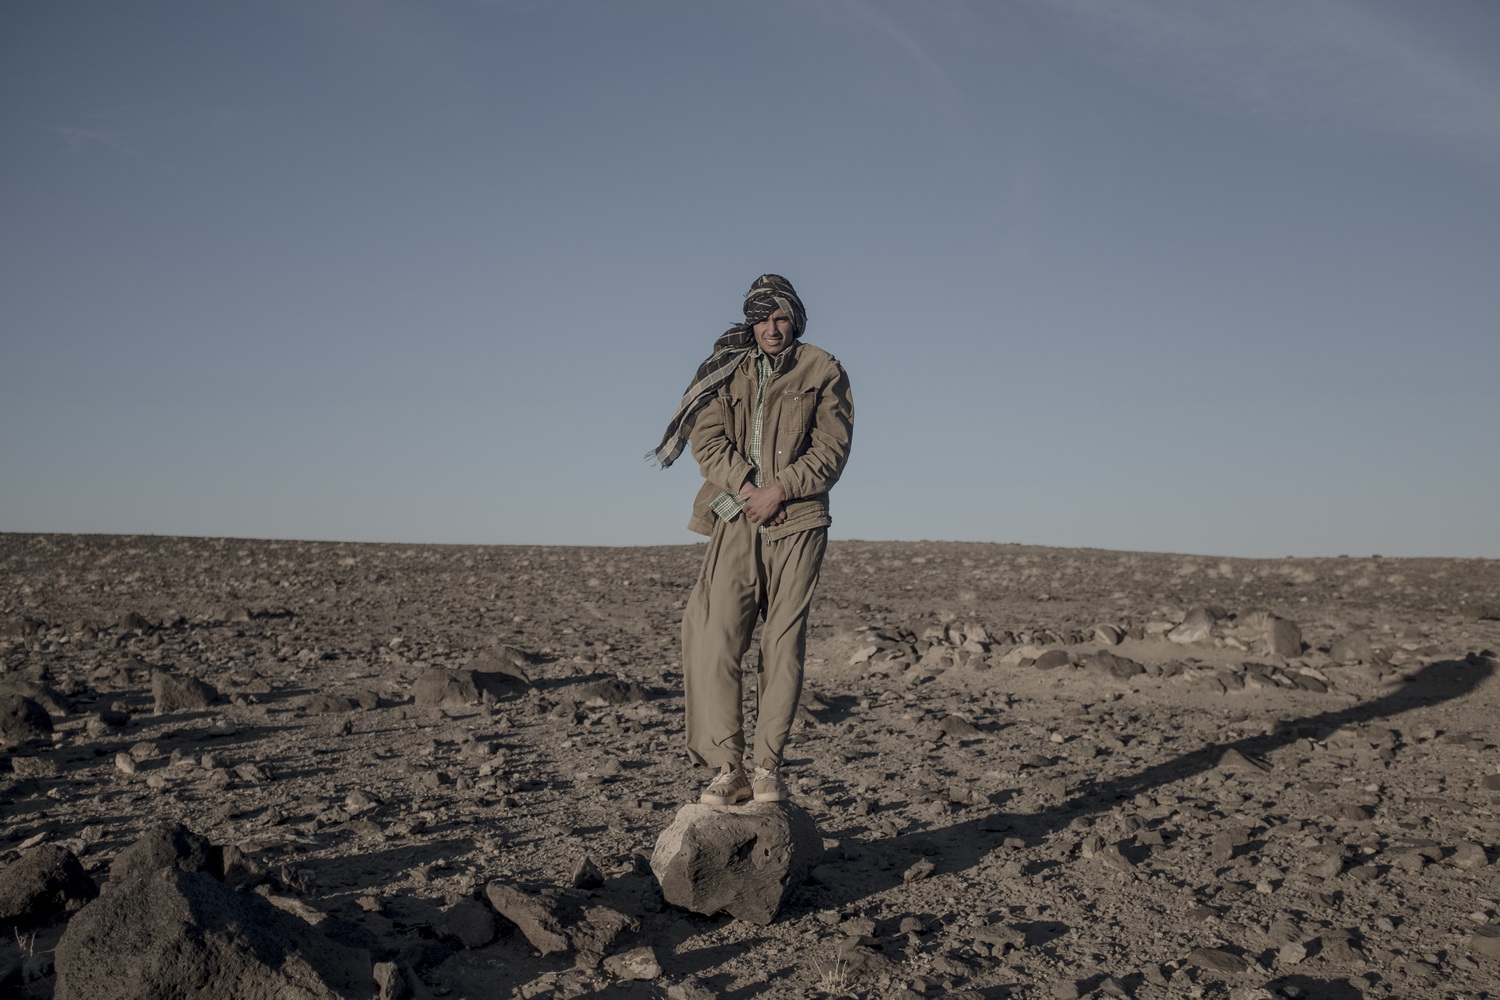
(1175, 275)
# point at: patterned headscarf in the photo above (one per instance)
(769, 293)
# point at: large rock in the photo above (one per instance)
(1198, 626)
(1284, 638)
(1352, 648)
(743, 860)
(174, 693)
(185, 935)
(43, 882)
(21, 720)
(557, 919)
(439, 687)
(51, 700)
(165, 845)
(1112, 665)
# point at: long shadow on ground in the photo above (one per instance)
(963, 845)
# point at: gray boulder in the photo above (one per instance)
(1352, 648)
(1284, 638)
(741, 860)
(22, 720)
(165, 845)
(1198, 626)
(469, 922)
(185, 935)
(174, 693)
(1113, 665)
(43, 882)
(48, 698)
(556, 919)
(442, 688)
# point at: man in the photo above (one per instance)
(770, 419)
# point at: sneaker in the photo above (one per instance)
(768, 786)
(727, 788)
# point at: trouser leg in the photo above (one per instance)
(716, 629)
(788, 570)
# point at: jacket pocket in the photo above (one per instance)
(795, 419)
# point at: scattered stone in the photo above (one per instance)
(51, 700)
(957, 727)
(324, 704)
(1340, 946)
(1218, 960)
(390, 982)
(1052, 659)
(1352, 648)
(167, 845)
(172, 933)
(555, 919)
(504, 661)
(173, 693)
(635, 964)
(469, 922)
(1108, 634)
(586, 874)
(134, 621)
(1469, 855)
(1196, 627)
(744, 860)
(1237, 762)
(22, 720)
(438, 687)
(1284, 638)
(43, 882)
(918, 871)
(1485, 941)
(252, 772)
(601, 694)
(1119, 667)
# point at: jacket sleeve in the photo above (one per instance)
(719, 460)
(818, 468)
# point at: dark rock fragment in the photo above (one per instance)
(743, 860)
(1352, 648)
(469, 922)
(22, 720)
(1218, 960)
(1284, 638)
(1110, 664)
(43, 882)
(1052, 659)
(174, 933)
(611, 692)
(166, 845)
(175, 693)
(555, 919)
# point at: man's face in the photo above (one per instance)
(774, 333)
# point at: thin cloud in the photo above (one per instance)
(904, 39)
(76, 139)
(1322, 63)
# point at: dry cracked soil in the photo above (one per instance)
(1038, 773)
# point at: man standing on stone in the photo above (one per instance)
(770, 420)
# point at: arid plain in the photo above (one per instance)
(1038, 773)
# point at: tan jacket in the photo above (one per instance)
(806, 428)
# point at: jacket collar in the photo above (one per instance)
(781, 363)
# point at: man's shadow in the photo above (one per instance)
(963, 845)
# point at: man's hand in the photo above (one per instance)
(763, 504)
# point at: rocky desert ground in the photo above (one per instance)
(1036, 773)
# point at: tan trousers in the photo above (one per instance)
(744, 576)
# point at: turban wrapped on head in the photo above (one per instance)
(768, 293)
